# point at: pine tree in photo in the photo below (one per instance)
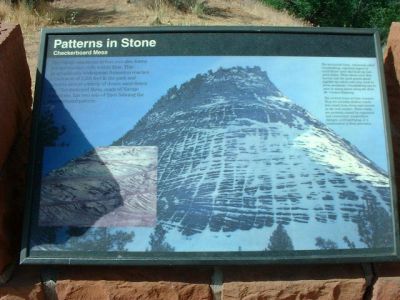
(375, 226)
(50, 132)
(157, 240)
(280, 240)
(350, 244)
(99, 239)
(46, 235)
(325, 244)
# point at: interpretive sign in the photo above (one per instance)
(210, 145)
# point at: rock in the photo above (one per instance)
(387, 285)
(15, 103)
(134, 283)
(237, 155)
(301, 289)
(25, 284)
(387, 288)
(392, 54)
(98, 290)
(295, 282)
(109, 186)
(392, 77)
(15, 87)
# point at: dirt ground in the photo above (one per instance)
(83, 13)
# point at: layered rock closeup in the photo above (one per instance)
(109, 186)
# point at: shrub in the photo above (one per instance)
(28, 3)
(183, 5)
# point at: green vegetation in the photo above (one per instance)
(157, 240)
(325, 244)
(375, 225)
(184, 5)
(49, 131)
(197, 7)
(98, 239)
(350, 244)
(280, 240)
(343, 13)
(28, 3)
(84, 239)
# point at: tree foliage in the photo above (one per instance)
(157, 240)
(99, 239)
(184, 5)
(280, 240)
(349, 243)
(375, 226)
(83, 239)
(32, 4)
(49, 131)
(343, 13)
(322, 243)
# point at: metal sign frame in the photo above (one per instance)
(314, 42)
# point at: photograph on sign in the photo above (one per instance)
(211, 153)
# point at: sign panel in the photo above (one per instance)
(210, 145)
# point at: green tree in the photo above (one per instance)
(375, 226)
(343, 13)
(322, 243)
(157, 240)
(49, 132)
(46, 235)
(349, 243)
(280, 240)
(99, 239)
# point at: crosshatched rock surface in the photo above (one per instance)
(109, 186)
(236, 154)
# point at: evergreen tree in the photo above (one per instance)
(46, 235)
(349, 243)
(49, 132)
(322, 243)
(375, 226)
(99, 239)
(280, 240)
(157, 240)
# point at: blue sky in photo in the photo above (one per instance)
(107, 119)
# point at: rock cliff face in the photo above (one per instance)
(109, 186)
(236, 154)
